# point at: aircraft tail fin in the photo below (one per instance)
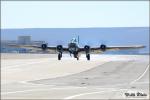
(78, 39)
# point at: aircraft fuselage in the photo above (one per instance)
(73, 48)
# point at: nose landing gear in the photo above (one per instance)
(76, 56)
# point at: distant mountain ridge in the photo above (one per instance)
(91, 36)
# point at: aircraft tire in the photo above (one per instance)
(59, 56)
(88, 56)
(77, 58)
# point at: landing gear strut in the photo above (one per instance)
(88, 56)
(76, 56)
(59, 56)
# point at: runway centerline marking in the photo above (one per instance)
(4, 93)
(25, 82)
(13, 66)
(18, 65)
(140, 76)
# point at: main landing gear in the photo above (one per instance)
(88, 56)
(59, 56)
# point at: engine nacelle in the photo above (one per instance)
(87, 48)
(59, 48)
(103, 47)
(44, 46)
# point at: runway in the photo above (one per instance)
(42, 76)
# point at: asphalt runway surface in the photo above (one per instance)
(42, 76)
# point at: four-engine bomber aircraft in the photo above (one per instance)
(73, 48)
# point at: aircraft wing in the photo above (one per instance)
(125, 47)
(50, 49)
(104, 48)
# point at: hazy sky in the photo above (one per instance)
(73, 14)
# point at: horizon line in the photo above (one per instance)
(77, 27)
